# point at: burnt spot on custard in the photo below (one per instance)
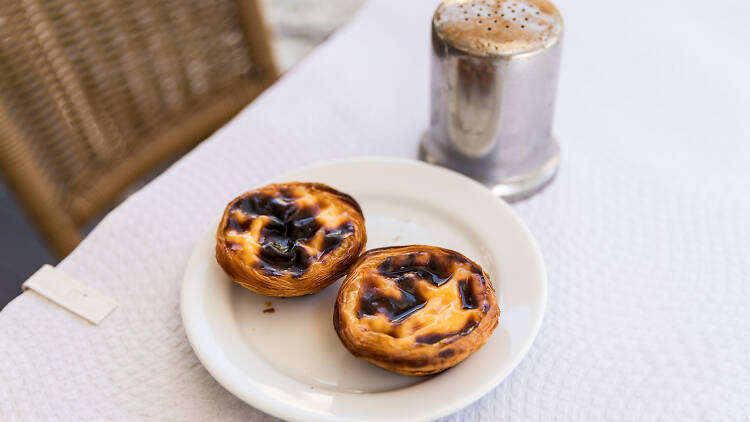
(406, 271)
(397, 309)
(288, 227)
(437, 270)
(436, 337)
(466, 292)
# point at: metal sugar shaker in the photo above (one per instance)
(494, 71)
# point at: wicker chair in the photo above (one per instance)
(96, 93)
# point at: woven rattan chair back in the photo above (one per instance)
(95, 93)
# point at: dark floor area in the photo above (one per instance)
(22, 251)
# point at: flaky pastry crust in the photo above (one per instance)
(290, 239)
(415, 310)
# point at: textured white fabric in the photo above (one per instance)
(645, 232)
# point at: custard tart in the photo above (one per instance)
(415, 310)
(290, 239)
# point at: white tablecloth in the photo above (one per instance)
(645, 232)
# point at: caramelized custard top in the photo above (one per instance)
(287, 229)
(421, 297)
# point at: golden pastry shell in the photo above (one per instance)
(434, 340)
(299, 266)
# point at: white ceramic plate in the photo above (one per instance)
(291, 364)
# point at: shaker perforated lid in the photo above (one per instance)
(497, 27)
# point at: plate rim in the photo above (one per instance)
(283, 410)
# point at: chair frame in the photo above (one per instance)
(62, 230)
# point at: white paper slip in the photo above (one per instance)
(72, 295)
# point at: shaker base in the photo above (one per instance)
(523, 187)
(513, 188)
